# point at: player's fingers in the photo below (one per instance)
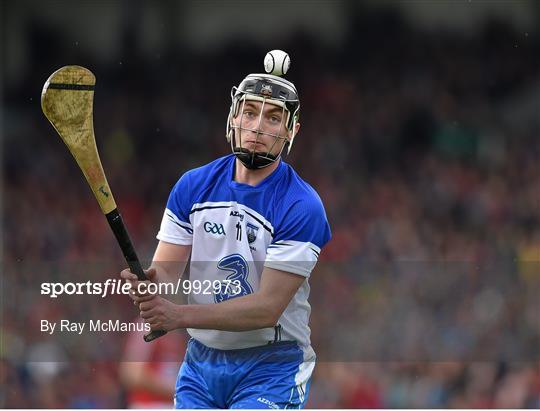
(155, 325)
(133, 294)
(140, 289)
(137, 299)
(143, 298)
(151, 274)
(128, 275)
(143, 287)
(147, 305)
(149, 316)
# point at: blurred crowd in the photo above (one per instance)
(425, 153)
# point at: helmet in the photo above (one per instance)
(267, 89)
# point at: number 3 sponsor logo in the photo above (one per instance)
(214, 228)
(238, 270)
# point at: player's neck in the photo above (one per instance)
(244, 175)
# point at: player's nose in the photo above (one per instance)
(256, 128)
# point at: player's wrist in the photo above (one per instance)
(180, 316)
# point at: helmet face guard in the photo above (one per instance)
(266, 89)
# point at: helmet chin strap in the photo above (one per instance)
(254, 160)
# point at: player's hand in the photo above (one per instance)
(160, 313)
(132, 279)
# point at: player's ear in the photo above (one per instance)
(296, 129)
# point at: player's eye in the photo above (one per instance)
(249, 113)
(275, 119)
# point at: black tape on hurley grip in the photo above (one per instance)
(124, 241)
(122, 237)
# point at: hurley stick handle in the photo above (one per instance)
(124, 241)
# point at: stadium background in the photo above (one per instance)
(420, 131)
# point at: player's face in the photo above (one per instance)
(261, 127)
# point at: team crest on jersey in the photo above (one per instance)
(266, 90)
(251, 232)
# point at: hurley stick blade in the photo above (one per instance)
(67, 100)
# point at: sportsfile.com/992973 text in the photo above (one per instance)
(119, 287)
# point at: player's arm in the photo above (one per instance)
(170, 261)
(254, 311)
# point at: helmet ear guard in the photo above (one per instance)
(295, 117)
(270, 89)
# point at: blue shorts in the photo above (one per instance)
(270, 376)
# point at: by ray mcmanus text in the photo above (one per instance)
(78, 327)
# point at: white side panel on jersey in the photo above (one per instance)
(294, 257)
(175, 231)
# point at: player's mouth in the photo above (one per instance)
(256, 144)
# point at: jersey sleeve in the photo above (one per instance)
(175, 225)
(298, 240)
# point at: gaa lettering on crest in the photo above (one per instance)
(214, 228)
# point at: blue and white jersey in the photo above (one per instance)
(235, 230)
